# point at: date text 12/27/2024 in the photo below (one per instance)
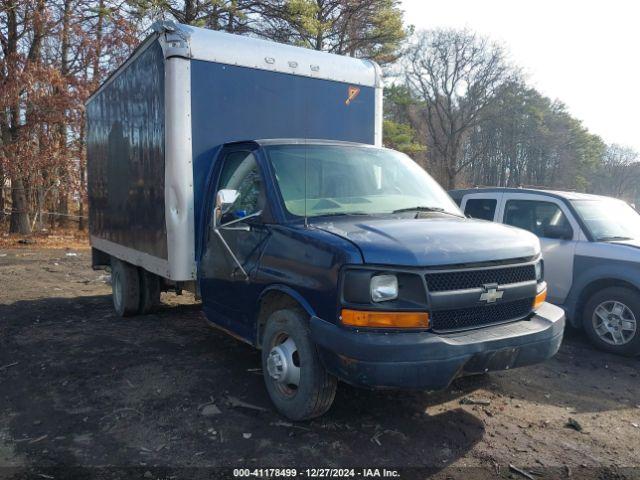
(315, 472)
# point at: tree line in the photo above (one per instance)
(464, 112)
(453, 101)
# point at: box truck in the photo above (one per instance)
(252, 174)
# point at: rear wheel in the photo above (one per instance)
(149, 291)
(296, 380)
(611, 320)
(125, 288)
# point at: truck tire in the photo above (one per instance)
(297, 382)
(611, 319)
(149, 291)
(125, 288)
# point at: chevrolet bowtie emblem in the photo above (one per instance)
(491, 294)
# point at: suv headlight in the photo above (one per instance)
(539, 270)
(384, 288)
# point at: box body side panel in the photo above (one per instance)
(126, 160)
(231, 103)
(179, 170)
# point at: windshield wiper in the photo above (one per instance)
(613, 238)
(340, 214)
(425, 209)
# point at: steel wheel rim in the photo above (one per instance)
(614, 322)
(283, 365)
(117, 289)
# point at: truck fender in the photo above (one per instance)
(295, 297)
(590, 273)
(291, 293)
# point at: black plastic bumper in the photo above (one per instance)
(430, 361)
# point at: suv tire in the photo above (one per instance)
(611, 319)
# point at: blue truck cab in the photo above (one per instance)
(252, 174)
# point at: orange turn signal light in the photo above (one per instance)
(372, 319)
(540, 298)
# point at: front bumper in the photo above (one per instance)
(429, 361)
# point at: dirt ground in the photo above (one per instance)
(84, 393)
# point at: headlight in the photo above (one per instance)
(539, 270)
(384, 287)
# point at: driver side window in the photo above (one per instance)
(240, 172)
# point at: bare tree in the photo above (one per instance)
(235, 16)
(619, 172)
(457, 75)
(22, 30)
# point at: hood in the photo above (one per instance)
(432, 241)
(629, 243)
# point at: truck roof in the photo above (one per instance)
(566, 195)
(215, 46)
(306, 141)
(242, 50)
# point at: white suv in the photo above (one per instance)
(591, 250)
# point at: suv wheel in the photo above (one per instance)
(125, 288)
(299, 386)
(611, 319)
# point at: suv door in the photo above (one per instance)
(547, 217)
(483, 206)
(231, 254)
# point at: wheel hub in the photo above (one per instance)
(281, 365)
(276, 364)
(614, 322)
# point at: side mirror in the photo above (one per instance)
(225, 198)
(560, 232)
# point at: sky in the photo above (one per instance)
(583, 53)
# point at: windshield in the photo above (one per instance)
(609, 219)
(344, 180)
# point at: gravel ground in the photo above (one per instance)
(84, 393)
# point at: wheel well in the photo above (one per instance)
(595, 286)
(271, 302)
(99, 259)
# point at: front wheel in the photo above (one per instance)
(611, 318)
(299, 386)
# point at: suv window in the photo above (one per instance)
(534, 215)
(483, 208)
(240, 172)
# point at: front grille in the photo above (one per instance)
(463, 279)
(478, 316)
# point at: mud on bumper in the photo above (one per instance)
(429, 361)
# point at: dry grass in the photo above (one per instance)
(70, 239)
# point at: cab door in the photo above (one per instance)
(233, 245)
(549, 219)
